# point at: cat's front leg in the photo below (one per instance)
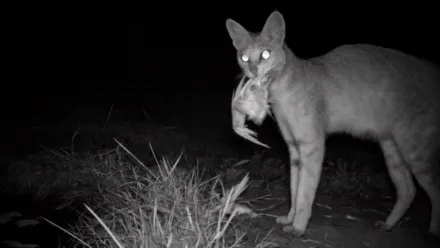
(294, 169)
(311, 159)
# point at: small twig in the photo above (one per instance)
(323, 206)
(72, 145)
(146, 115)
(108, 117)
(316, 242)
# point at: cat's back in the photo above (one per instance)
(370, 87)
(378, 66)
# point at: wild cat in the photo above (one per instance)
(361, 89)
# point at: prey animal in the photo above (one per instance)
(364, 90)
(250, 101)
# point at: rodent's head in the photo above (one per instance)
(257, 54)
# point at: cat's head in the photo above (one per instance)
(259, 53)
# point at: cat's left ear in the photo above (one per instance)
(237, 32)
(274, 31)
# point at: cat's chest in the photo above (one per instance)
(283, 102)
(285, 92)
(292, 100)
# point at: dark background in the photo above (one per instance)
(174, 61)
(133, 54)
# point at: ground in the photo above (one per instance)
(354, 191)
(344, 222)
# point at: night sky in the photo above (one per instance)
(128, 47)
(127, 53)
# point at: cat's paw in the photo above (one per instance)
(297, 233)
(382, 226)
(284, 220)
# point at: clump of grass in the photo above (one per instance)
(161, 206)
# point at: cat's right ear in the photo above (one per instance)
(237, 32)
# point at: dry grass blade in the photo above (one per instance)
(134, 157)
(69, 233)
(176, 208)
(105, 227)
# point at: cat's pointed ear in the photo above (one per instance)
(274, 31)
(237, 32)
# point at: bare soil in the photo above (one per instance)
(339, 221)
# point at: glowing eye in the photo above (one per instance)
(265, 54)
(244, 57)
